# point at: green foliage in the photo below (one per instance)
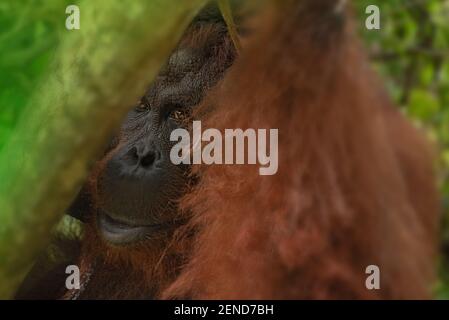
(29, 33)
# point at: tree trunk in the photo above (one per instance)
(100, 71)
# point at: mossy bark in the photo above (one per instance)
(99, 72)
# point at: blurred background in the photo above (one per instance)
(411, 51)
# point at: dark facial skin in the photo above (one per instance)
(138, 186)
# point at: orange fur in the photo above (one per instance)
(355, 185)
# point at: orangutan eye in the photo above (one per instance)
(179, 115)
(143, 106)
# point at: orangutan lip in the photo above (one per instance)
(120, 232)
(120, 225)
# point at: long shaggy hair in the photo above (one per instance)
(355, 185)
